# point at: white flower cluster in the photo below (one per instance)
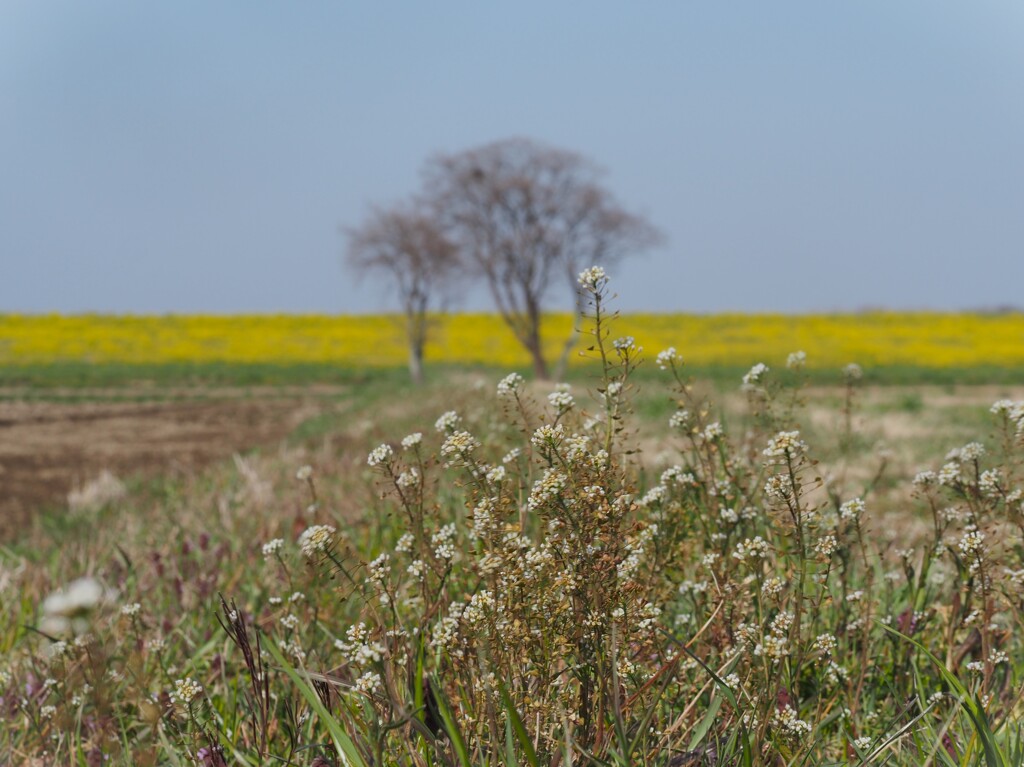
(634, 551)
(779, 487)
(368, 683)
(483, 519)
(1013, 411)
(408, 478)
(785, 445)
(446, 630)
(359, 649)
(988, 483)
(378, 570)
(481, 604)
(510, 385)
(826, 546)
(459, 444)
(547, 437)
(713, 431)
(680, 419)
(755, 376)
(751, 550)
(796, 360)
(560, 399)
(412, 440)
(272, 547)
(593, 279)
(380, 455)
(789, 723)
(316, 539)
(626, 344)
(970, 452)
(972, 543)
(447, 421)
(852, 510)
(442, 541)
(546, 489)
(669, 358)
(185, 691)
(826, 643)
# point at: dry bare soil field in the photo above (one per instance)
(50, 447)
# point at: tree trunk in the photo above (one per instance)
(563, 361)
(416, 334)
(416, 362)
(532, 339)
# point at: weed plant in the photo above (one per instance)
(521, 593)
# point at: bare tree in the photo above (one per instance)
(406, 246)
(527, 216)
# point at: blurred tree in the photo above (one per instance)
(524, 216)
(405, 244)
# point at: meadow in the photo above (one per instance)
(785, 565)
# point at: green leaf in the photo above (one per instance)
(517, 725)
(343, 744)
(701, 730)
(450, 727)
(993, 755)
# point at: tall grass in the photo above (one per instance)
(525, 582)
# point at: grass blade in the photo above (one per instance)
(343, 743)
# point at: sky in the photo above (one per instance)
(799, 156)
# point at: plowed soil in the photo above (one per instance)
(47, 448)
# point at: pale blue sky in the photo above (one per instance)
(198, 156)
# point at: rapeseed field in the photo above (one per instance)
(921, 339)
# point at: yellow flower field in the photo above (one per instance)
(872, 339)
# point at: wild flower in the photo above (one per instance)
(853, 372)
(380, 455)
(447, 421)
(316, 540)
(185, 691)
(625, 344)
(592, 279)
(668, 358)
(796, 360)
(751, 549)
(755, 375)
(779, 487)
(369, 683)
(989, 482)
(273, 547)
(561, 400)
(786, 445)
(680, 419)
(972, 543)
(510, 385)
(925, 478)
(787, 721)
(852, 510)
(442, 541)
(304, 473)
(547, 489)
(412, 440)
(131, 610)
(548, 437)
(713, 431)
